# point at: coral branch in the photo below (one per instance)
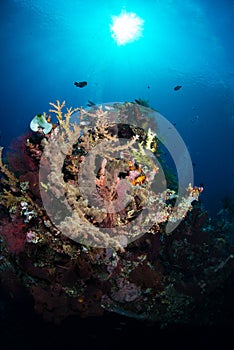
(57, 109)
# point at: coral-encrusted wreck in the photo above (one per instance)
(83, 222)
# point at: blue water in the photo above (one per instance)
(47, 45)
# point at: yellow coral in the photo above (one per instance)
(67, 115)
(64, 119)
(57, 109)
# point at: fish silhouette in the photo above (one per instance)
(177, 87)
(90, 103)
(80, 84)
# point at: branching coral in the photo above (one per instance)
(95, 239)
(57, 109)
(116, 204)
(111, 203)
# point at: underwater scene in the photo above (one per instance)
(116, 173)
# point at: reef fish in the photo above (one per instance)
(90, 103)
(177, 87)
(80, 84)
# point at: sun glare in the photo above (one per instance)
(126, 28)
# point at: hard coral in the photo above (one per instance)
(62, 253)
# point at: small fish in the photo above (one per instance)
(177, 87)
(80, 84)
(90, 103)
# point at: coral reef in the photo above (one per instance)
(83, 224)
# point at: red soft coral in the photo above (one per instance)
(14, 234)
(19, 158)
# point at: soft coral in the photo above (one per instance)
(14, 234)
